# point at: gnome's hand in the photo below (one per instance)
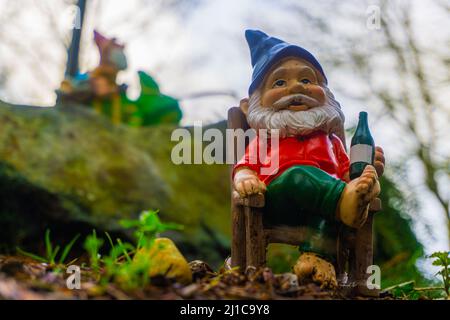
(379, 161)
(246, 183)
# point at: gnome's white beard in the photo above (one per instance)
(327, 117)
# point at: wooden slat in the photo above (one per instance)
(255, 241)
(236, 120)
(253, 201)
(375, 205)
(238, 240)
(285, 234)
(296, 235)
(364, 257)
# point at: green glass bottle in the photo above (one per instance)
(362, 149)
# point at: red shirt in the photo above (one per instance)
(319, 149)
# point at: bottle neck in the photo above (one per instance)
(363, 124)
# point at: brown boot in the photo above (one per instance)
(309, 267)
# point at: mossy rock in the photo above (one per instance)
(80, 169)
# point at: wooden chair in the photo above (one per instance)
(250, 237)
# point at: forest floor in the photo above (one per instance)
(22, 278)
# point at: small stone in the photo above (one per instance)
(268, 275)
(250, 271)
(200, 269)
(167, 261)
(188, 291)
(288, 282)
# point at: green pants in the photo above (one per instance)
(306, 197)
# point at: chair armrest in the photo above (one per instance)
(258, 201)
(253, 201)
(375, 205)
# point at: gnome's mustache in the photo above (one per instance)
(295, 99)
(327, 117)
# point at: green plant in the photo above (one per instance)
(121, 265)
(148, 227)
(51, 251)
(92, 245)
(442, 259)
(408, 290)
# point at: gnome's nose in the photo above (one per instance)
(297, 87)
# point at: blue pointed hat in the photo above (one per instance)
(266, 51)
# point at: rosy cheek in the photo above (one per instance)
(272, 96)
(317, 92)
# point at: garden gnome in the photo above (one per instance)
(310, 187)
(112, 60)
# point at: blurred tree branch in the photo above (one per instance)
(414, 69)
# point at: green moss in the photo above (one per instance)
(103, 173)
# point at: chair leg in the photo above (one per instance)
(343, 251)
(238, 242)
(255, 241)
(364, 258)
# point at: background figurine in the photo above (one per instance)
(311, 186)
(99, 89)
(155, 107)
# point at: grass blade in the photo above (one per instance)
(67, 249)
(54, 253)
(109, 239)
(124, 250)
(31, 255)
(48, 244)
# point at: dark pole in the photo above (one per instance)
(74, 49)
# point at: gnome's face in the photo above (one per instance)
(288, 92)
(294, 100)
(294, 85)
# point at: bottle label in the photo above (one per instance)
(361, 153)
